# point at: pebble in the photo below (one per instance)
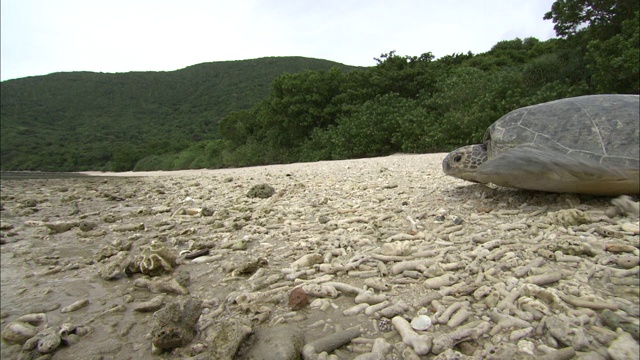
(75, 306)
(149, 305)
(421, 322)
(298, 299)
(18, 332)
(624, 347)
(175, 324)
(281, 342)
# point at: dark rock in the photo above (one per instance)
(183, 277)
(197, 253)
(207, 211)
(251, 266)
(262, 191)
(87, 226)
(228, 337)
(29, 203)
(110, 218)
(281, 342)
(175, 324)
(298, 299)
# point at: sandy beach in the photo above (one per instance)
(380, 258)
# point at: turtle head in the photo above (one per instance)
(464, 162)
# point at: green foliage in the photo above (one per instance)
(615, 62)
(370, 130)
(280, 110)
(299, 103)
(237, 126)
(124, 158)
(467, 102)
(82, 121)
(155, 162)
(601, 18)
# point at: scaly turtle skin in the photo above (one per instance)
(586, 144)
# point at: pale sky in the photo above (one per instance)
(39, 37)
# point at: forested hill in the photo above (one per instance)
(82, 120)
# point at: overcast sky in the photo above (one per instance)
(39, 37)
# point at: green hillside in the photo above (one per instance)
(81, 120)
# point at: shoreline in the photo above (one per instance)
(246, 169)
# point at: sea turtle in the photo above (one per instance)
(586, 144)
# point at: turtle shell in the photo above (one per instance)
(595, 128)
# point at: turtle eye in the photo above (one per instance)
(457, 158)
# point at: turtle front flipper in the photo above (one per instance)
(544, 169)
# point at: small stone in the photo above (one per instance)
(75, 306)
(624, 347)
(170, 337)
(129, 227)
(197, 253)
(183, 277)
(61, 226)
(281, 342)
(526, 347)
(569, 217)
(70, 339)
(250, 266)
(626, 205)
(239, 245)
(612, 212)
(110, 218)
(105, 252)
(630, 227)
(207, 211)
(49, 343)
(150, 305)
(18, 332)
(228, 337)
(175, 324)
(87, 226)
(384, 325)
(31, 344)
(627, 261)
(29, 203)
(421, 322)
(262, 191)
(617, 248)
(114, 267)
(298, 299)
(5, 226)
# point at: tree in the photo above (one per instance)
(237, 126)
(602, 18)
(615, 62)
(124, 158)
(299, 103)
(406, 76)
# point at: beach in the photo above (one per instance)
(377, 258)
